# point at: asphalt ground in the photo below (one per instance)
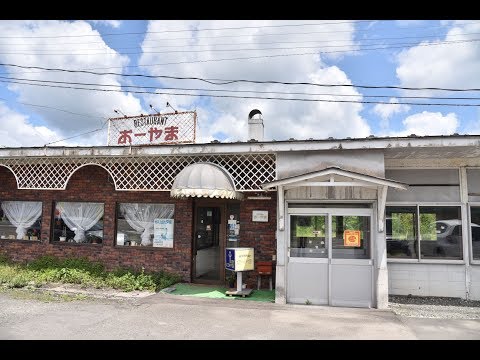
(30, 315)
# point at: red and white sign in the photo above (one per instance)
(169, 128)
(351, 238)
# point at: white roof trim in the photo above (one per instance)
(364, 180)
(363, 144)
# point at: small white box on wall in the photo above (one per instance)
(260, 215)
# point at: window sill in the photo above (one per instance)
(20, 240)
(142, 248)
(66, 243)
(425, 261)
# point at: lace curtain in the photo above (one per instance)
(140, 217)
(22, 214)
(80, 216)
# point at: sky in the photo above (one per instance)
(374, 61)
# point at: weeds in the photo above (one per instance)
(48, 269)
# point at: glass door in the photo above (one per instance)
(350, 237)
(207, 244)
(330, 256)
(307, 272)
(308, 236)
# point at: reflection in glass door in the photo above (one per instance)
(207, 244)
(308, 236)
(350, 237)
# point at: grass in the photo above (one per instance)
(44, 296)
(218, 292)
(48, 269)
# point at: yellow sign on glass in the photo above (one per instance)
(351, 238)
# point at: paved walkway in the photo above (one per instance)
(165, 316)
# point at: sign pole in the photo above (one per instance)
(239, 260)
(239, 281)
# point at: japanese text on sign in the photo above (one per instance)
(163, 233)
(239, 259)
(171, 128)
(351, 238)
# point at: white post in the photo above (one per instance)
(281, 209)
(380, 261)
(239, 281)
(280, 276)
(465, 225)
(381, 202)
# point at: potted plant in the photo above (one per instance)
(32, 234)
(230, 277)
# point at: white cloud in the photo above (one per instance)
(17, 131)
(428, 123)
(447, 65)
(38, 37)
(385, 111)
(408, 23)
(282, 119)
(113, 23)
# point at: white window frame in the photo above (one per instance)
(470, 240)
(465, 237)
(370, 211)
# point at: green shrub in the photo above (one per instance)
(83, 264)
(44, 262)
(165, 279)
(83, 272)
(4, 259)
(12, 276)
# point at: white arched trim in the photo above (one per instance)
(13, 173)
(83, 165)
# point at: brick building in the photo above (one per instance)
(344, 221)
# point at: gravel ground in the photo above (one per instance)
(434, 307)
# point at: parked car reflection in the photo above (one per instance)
(448, 242)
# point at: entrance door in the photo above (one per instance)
(330, 257)
(207, 244)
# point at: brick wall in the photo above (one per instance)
(90, 183)
(259, 235)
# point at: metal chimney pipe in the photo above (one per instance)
(255, 125)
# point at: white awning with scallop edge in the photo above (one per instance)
(204, 179)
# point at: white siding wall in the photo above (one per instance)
(475, 282)
(428, 279)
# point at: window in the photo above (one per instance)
(475, 231)
(441, 232)
(79, 222)
(307, 236)
(401, 232)
(145, 225)
(20, 220)
(344, 225)
(438, 230)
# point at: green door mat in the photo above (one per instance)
(218, 292)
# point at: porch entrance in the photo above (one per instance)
(330, 256)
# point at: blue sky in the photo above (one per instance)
(418, 54)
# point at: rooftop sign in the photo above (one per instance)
(156, 129)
